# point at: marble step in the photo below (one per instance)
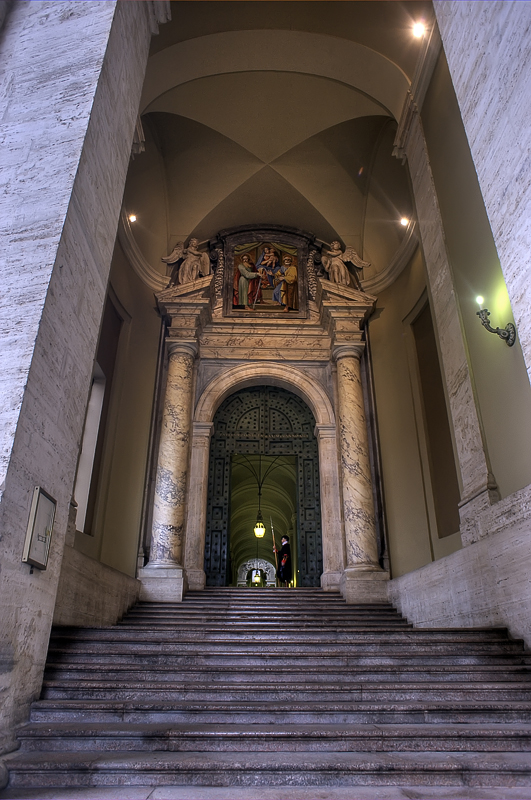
(363, 738)
(407, 640)
(252, 713)
(265, 614)
(94, 769)
(318, 695)
(226, 659)
(133, 671)
(260, 620)
(296, 653)
(327, 636)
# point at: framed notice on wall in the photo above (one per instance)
(40, 526)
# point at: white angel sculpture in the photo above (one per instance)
(334, 261)
(188, 263)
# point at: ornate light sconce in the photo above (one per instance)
(508, 334)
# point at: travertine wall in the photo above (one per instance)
(70, 79)
(486, 583)
(488, 47)
(92, 594)
(476, 270)
(117, 519)
(411, 528)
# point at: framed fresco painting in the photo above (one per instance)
(265, 272)
(265, 277)
(39, 530)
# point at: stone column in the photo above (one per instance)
(162, 578)
(197, 504)
(333, 554)
(363, 580)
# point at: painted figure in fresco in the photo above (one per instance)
(290, 286)
(267, 265)
(248, 284)
(334, 261)
(188, 263)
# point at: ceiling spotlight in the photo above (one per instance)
(132, 217)
(404, 221)
(419, 29)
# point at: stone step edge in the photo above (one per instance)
(374, 686)
(224, 707)
(290, 730)
(286, 760)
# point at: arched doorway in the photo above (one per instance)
(264, 421)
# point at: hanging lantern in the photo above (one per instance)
(259, 528)
(256, 576)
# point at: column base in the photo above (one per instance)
(330, 581)
(195, 579)
(364, 585)
(162, 584)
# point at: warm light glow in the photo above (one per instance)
(480, 300)
(404, 221)
(419, 29)
(259, 530)
(132, 218)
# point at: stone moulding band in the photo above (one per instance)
(259, 373)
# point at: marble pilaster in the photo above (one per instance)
(163, 577)
(363, 578)
(196, 517)
(333, 551)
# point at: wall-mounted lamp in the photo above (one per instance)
(508, 334)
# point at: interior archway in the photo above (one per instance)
(262, 427)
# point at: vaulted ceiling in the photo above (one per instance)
(276, 112)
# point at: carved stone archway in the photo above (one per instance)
(299, 383)
(256, 563)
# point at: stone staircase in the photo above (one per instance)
(275, 687)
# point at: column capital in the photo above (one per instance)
(182, 347)
(325, 431)
(350, 350)
(202, 430)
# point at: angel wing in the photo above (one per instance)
(176, 254)
(205, 265)
(352, 257)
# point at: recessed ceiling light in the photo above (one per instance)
(132, 217)
(419, 29)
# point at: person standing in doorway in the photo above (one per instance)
(284, 562)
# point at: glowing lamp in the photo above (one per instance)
(259, 528)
